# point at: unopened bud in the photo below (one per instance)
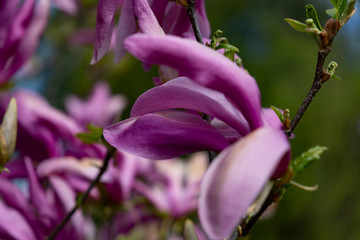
(8, 132)
(332, 27)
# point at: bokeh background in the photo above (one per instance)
(283, 63)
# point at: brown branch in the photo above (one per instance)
(83, 197)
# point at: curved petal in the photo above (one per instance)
(164, 135)
(204, 66)
(100, 109)
(236, 177)
(104, 27)
(203, 21)
(14, 225)
(24, 44)
(125, 27)
(184, 93)
(146, 20)
(38, 198)
(67, 198)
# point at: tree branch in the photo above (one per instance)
(82, 199)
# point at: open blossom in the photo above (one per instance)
(108, 107)
(253, 146)
(21, 25)
(152, 17)
(34, 214)
(41, 126)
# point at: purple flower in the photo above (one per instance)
(259, 149)
(40, 126)
(21, 25)
(139, 15)
(173, 185)
(33, 212)
(100, 109)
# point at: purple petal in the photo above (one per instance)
(125, 27)
(203, 21)
(204, 66)
(100, 109)
(185, 94)
(86, 168)
(271, 119)
(22, 42)
(236, 177)
(104, 27)
(145, 18)
(14, 225)
(38, 197)
(158, 7)
(14, 198)
(67, 198)
(164, 135)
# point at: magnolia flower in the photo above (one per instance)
(173, 185)
(252, 144)
(139, 15)
(108, 108)
(36, 213)
(41, 126)
(21, 25)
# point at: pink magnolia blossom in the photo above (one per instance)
(21, 25)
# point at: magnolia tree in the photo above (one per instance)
(198, 158)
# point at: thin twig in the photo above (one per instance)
(312, 92)
(190, 10)
(83, 197)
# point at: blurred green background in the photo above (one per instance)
(283, 63)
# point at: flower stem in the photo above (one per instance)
(83, 197)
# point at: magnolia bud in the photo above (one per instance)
(8, 132)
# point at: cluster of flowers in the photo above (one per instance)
(166, 122)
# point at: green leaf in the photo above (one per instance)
(227, 46)
(342, 6)
(311, 13)
(278, 113)
(296, 25)
(93, 136)
(335, 3)
(306, 158)
(332, 12)
(348, 11)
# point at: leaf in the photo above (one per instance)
(278, 113)
(306, 158)
(189, 231)
(332, 12)
(335, 3)
(93, 136)
(342, 6)
(348, 11)
(311, 13)
(296, 25)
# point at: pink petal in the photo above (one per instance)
(176, 133)
(204, 66)
(236, 177)
(185, 94)
(104, 27)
